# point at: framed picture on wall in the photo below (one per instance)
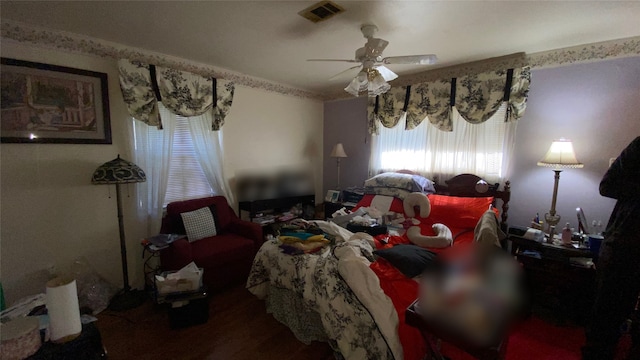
(44, 103)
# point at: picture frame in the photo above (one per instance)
(44, 103)
(332, 196)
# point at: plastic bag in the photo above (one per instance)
(94, 292)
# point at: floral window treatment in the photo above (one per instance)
(479, 96)
(137, 92)
(181, 92)
(430, 100)
(476, 97)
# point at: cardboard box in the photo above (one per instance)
(191, 281)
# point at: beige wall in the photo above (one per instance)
(50, 212)
(266, 130)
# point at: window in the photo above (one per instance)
(480, 149)
(183, 160)
(186, 178)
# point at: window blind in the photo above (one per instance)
(186, 179)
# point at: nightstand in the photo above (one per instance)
(555, 284)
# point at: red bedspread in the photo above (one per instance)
(403, 291)
(460, 214)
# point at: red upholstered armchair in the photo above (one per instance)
(226, 257)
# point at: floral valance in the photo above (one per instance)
(430, 100)
(476, 97)
(183, 93)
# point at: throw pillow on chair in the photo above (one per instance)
(199, 224)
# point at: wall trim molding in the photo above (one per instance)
(85, 45)
(605, 50)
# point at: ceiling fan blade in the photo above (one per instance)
(339, 60)
(411, 59)
(344, 72)
(387, 74)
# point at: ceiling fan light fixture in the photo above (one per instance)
(362, 77)
(377, 85)
(386, 74)
(354, 87)
(358, 84)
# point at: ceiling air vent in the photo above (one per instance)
(321, 11)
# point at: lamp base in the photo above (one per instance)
(127, 299)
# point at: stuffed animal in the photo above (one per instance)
(443, 237)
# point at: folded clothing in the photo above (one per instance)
(300, 248)
(311, 239)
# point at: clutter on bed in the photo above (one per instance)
(302, 237)
(443, 236)
(472, 295)
(352, 290)
(411, 260)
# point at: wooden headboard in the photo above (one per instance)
(464, 185)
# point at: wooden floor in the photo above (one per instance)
(238, 328)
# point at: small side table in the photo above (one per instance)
(553, 281)
(86, 346)
(187, 308)
(151, 264)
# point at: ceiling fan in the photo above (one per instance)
(373, 75)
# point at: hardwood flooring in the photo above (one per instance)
(238, 328)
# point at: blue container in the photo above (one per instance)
(594, 244)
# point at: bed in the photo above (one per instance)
(356, 302)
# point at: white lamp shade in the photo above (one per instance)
(373, 81)
(338, 151)
(561, 155)
(377, 85)
(386, 74)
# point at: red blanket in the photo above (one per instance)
(460, 215)
(403, 291)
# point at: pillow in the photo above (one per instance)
(177, 225)
(411, 260)
(401, 181)
(458, 212)
(387, 191)
(442, 239)
(394, 204)
(199, 224)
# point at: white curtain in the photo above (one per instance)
(481, 149)
(152, 150)
(208, 147)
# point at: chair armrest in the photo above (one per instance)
(176, 256)
(247, 229)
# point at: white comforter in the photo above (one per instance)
(337, 283)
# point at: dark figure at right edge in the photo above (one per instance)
(618, 267)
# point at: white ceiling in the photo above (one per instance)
(268, 39)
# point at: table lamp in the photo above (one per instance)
(338, 153)
(560, 155)
(119, 171)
